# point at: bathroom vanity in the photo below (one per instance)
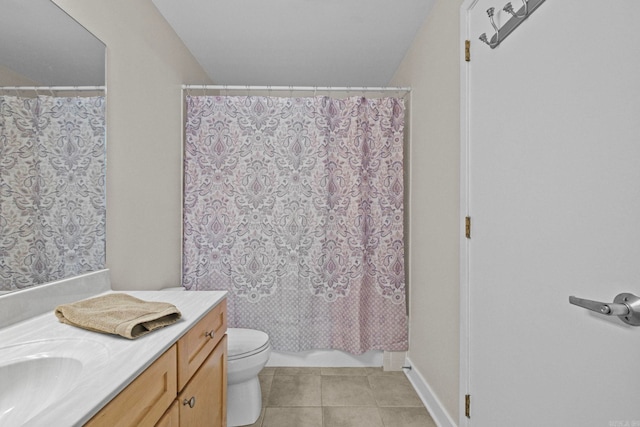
(185, 386)
(174, 376)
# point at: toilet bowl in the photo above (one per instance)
(248, 350)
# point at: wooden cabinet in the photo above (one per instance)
(171, 418)
(185, 386)
(203, 400)
(199, 342)
(144, 401)
(202, 371)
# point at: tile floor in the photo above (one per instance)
(339, 397)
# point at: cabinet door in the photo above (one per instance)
(171, 418)
(144, 401)
(203, 401)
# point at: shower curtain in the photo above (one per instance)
(52, 188)
(295, 207)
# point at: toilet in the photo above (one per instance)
(248, 350)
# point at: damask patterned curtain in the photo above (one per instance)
(295, 207)
(52, 188)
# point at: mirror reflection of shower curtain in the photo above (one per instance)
(295, 207)
(52, 188)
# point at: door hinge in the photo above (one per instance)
(467, 50)
(467, 405)
(467, 227)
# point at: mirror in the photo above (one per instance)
(42, 46)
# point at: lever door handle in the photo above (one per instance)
(625, 306)
(600, 307)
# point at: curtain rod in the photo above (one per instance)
(53, 88)
(300, 88)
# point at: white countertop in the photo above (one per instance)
(126, 358)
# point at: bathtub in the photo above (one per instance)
(321, 358)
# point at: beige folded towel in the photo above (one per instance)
(119, 314)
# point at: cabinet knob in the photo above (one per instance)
(191, 402)
(210, 334)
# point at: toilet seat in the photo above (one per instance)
(244, 343)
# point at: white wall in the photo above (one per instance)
(146, 65)
(431, 68)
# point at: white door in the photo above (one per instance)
(552, 186)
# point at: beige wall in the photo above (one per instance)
(146, 65)
(431, 68)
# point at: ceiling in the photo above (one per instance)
(297, 42)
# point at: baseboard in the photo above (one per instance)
(430, 400)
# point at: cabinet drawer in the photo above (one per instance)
(144, 401)
(203, 401)
(199, 342)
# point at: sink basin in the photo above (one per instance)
(36, 375)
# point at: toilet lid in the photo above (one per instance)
(245, 342)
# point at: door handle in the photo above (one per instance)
(625, 306)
